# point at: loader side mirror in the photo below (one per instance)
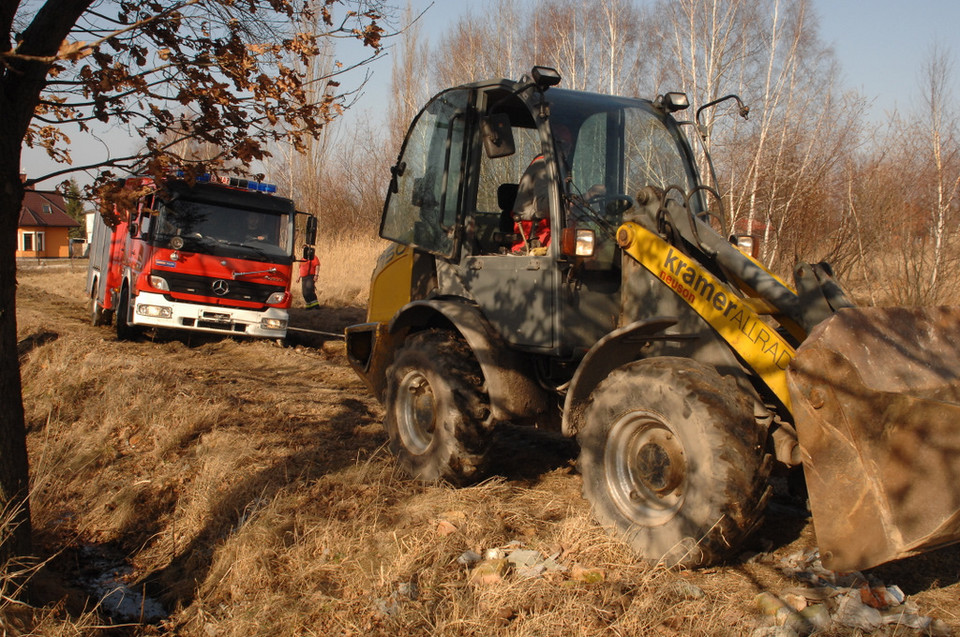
(308, 252)
(497, 135)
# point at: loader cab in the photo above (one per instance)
(459, 184)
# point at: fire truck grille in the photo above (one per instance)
(219, 288)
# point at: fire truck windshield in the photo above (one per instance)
(211, 229)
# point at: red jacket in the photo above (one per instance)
(309, 268)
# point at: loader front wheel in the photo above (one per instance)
(436, 408)
(673, 461)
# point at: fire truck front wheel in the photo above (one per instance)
(125, 330)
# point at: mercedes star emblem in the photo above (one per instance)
(220, 287)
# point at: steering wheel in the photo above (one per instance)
(611, 204)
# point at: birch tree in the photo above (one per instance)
(942, 139)
(408, 90)
(922, 165)
(775, 167)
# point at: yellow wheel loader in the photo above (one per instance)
(555, 262)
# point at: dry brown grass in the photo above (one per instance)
(249, 487)
(346, 264)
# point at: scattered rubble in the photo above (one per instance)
(496, 562)
(404, 592)
(823, 599)
(848, 599)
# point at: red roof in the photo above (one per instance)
(743, 226)
(45, 209)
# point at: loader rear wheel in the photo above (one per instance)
(673, 461)
(436, 408)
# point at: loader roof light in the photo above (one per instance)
(747, 243)
(544, 77)
(672, 102)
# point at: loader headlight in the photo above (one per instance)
(155, 311)
(273, 324)
(579, 242)
(159, 282)
(747, 243)
(276, 298)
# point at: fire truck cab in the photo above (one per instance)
(214, 256)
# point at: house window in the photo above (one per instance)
(47, 209)
(32, 242)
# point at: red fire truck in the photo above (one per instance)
(215, 256)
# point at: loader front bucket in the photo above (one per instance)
(876, 402)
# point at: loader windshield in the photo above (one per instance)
(617, 146)
(608, 149)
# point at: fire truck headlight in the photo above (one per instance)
(159, 282)
(276, 298)
(155, 311)
(273, 324)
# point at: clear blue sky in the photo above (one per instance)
(881, 46)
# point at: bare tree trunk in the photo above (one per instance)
(21, 81)
(408, 90)
(14, 469)
(937, 76)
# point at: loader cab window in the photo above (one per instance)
(506, 170)
(499, 179)
(423, 201)
(625, 150)
(619, 147)
(499, 183)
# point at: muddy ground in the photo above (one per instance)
(244, 487)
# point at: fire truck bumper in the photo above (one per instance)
(154, 310)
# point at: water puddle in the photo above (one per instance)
(105, 576)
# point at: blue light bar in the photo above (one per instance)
(254, 186)
(233, 182)
(202, 178)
